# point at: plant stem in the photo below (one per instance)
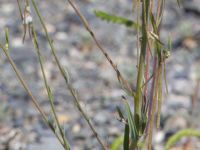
(50, 96)
(123, 82)
(25, 86)
(140, 76)
(65, 76)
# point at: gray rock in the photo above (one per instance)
(178, 101)
(159, 137)
(182, 86)
(101, 117)
(192, 6)
(50, 143)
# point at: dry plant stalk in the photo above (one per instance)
(66, 77)
(25, 86)
(149, 89)
(121, 79)
(150, 40)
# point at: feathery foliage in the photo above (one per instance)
(115, 19)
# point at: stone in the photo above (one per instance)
(159, 137)
(76, 128)
(193, 5)
(101, 117)
(178, 101)
(63, 118)
(50, 143)
(7, 8)
(114, 131)
(182, 86)
(17, 42)
(61, 36)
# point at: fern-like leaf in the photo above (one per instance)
(116, 19)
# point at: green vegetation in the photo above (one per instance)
(183, 133)
(147, 97)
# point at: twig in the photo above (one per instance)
(121, 79)
(25, 86)
(66, 77)
(50, 95)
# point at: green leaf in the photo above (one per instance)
(126, 137)
(144, 121)
(132, 124)
(116, 19)
(183, 133)
(153, 22)
(155, 37)
(117, 143)
(120, 113)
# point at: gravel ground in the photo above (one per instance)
(92, 76)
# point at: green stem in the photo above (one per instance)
(66, 78)
(50, 96)
(25, 86)
(140, 77)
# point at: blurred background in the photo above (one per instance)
(21, 126)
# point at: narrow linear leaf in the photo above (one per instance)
(155, 37)
(115, 19)
(132, 126)
(126, 137)
(183, 133)
(116, 145)
(153, 22)
(120, 113)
